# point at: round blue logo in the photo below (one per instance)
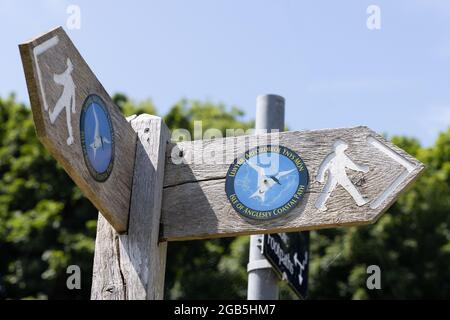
(97, 138)
(266, 182)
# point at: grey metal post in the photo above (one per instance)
(262, 280)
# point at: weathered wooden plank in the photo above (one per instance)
(107, 280)
(132, 266)
(195, 205)
(59, 82)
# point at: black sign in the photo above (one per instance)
(288, 253)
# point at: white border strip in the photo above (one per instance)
(37, 51)
(396, 183)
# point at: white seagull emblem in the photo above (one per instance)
(266, 182)
(99, 141)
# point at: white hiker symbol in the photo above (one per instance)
(266, 182)
(67, 99)
(98, 139)
(335, 164)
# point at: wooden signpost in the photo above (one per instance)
(151, 191)
(59, 84)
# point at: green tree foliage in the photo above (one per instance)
(129, 107)
(185, 112)
(46, 225)
(45, 222)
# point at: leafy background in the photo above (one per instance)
(46, 225)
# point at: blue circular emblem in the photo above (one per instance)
(97, 138)
(266, 182)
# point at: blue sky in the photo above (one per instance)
(332, 70)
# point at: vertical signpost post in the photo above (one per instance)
(262, 281)
(273, 255)
(145, 187)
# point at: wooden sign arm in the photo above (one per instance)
(195, 205)
(62, 90)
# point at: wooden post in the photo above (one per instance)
(132, 266)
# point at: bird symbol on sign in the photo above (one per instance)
(99, 141)
(265, 182)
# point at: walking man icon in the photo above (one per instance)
(67, 99)
(335, 164)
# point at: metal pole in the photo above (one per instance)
(262, 280)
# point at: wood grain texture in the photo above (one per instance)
(195, 205)
(111, 197)
(132, 266)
